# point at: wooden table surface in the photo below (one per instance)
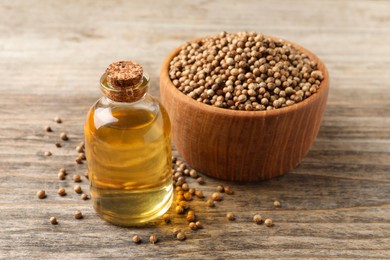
(336, 203)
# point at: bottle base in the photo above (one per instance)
(128, 221)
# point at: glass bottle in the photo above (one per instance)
(128, 149)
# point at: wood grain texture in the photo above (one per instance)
(243, 145)
(335, 204)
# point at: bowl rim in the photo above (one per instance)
(323, 88)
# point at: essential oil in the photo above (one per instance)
(128, 149)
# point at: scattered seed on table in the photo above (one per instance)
(53, 221)
(57, 119)
(136, 239)
(193, 173)
(192, 191)
(192, 226)
(61, 176)
(82, 144)
(210, 203)
(186, 172)
(220, 188)
(79, 149)
(48, 153)
(179, 210)
(76, 178)
(62, 170)
(61, 191)
(77, 189)
(230, 216)
(277, 204)
(181, 236)
(180, 197)
(176, 231)
(185, 187)
(86, 175)
(199, 194)
(48, 129)
(216, 196)
(41, 194)
(190, 218)
(64, 136)
(200, 181)
(257, 219)
(79, 160)
(84, 196)
(268, 222)
(153, 239)
(198, 224)
(167, 218)
(184, 204)
(58, 144)
(228, 190)
(82, 156)
(187, 196)
(77, 214)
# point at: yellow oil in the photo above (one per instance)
(129, 162)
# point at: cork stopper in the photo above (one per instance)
(122, 74)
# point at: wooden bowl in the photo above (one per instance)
(242, 145)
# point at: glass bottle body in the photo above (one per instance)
(129, 160)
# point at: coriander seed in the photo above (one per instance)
(198, 224)
(79, 149)
(277, 204)
(48, 129)
(220, 188)
(58, 144)
(61, 191)
(193, 173)
(77, 214)
(190, 218)
(268, 222)
(216, 196)
(153, 239)
(79, 160)
(228, 190)
(84, 196)
(184, 204)
(179, 210)
(61, 176)
(64, 136)
(210, 203)
(176, 231)
(167, 218)
(53, 221)
(181, 236)
(230, 216)
(62, 170)
(77, 189)
(136, 239)
(185, 187)
(76, 178)
(187, 196)
(48, 153)
(243, 68)
(57, 119)
(257, 219)
(200, 181)
(199, 194)
(41, 194)
(192, 226)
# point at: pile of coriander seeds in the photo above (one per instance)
(244, 71)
